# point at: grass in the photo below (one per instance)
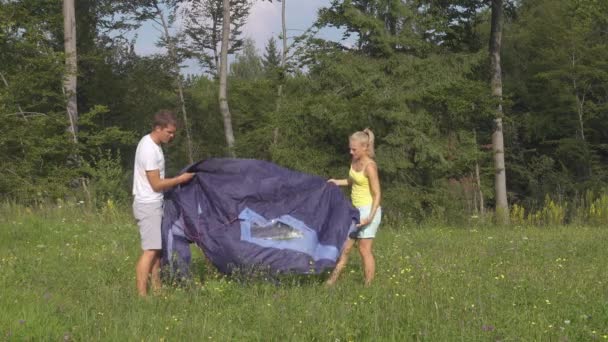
(66, 274)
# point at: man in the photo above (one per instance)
(149, 182)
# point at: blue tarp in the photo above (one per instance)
(246, 213)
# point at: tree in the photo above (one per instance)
(283, 66)
(380, 27)
(283, 37)
(553, 59)
(247, 64)
(223, 75)
(576, 64)
(33, 148)
(171, 44)
(69, 34)
(204, 29)
(498, 148)
(271, 59)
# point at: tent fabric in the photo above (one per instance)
(246, 214)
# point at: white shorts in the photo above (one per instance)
(149, 217)
(369, 230)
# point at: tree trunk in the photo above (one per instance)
(180, 91)
(580, 94)
(223, 96)
(284, 52)
(69, 83)
(284, 29)
(500, 179)
(479, 193)
(580, 100)
(478, 181)
(178, 82)
(215, 54)
(275, 134)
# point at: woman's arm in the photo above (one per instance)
(340, 182)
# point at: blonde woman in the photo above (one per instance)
(365, 195)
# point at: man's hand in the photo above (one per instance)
(160, 185)
(185, 177)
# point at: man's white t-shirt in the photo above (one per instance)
(148, 157)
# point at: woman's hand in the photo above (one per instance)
(338, 182)
(364, 222)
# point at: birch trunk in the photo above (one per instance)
(223, 96)
(69, 82)
(580, 95)
(478, 181)
(275, 134)
(500, 178)
(284, 52)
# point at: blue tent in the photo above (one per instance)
(246, 213)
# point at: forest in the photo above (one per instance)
(481, 108)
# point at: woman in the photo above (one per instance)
(365, 195)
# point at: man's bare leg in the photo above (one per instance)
(155, 275)
(367, 258)
(144, 267)
(333, 277)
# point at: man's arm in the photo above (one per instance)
(160, 185)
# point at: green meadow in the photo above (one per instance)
(67, 274)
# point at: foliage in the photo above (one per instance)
(598, 211)
(381, 27)
(108, 181)
(551, 214)
(35, 155)
(415, 72)
(271, 60)
(203, 27)
(413, 105)
(517, 216)
(556, 75)
(247, 64)
(589, 209)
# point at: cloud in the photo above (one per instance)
(264, 22)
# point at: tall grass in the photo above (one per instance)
(589, 209)
(68, 274)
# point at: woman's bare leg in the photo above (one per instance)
(333, 277)
(367, 258)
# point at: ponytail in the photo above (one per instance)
(370, 142)
(367, 137)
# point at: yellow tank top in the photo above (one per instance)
(360, 193)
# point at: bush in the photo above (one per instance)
(107, 179)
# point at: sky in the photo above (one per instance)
(264, 22)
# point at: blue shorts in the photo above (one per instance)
(368, 231)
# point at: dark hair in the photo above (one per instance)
(164, 118)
